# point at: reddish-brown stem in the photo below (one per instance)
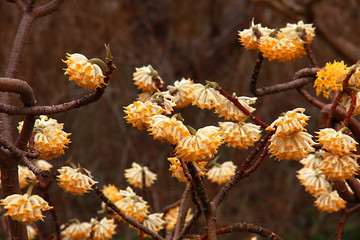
(255, 74)
(344, 192)
(344, 216)
(127, 219)
(355, 186)
(170, 206)
(189, 224)
(311, 99)
(339, 95)
(309, 52)
(245, 227)
(182, 211)
(141, 235)
(239, 174)
(352, 107)
(243, 109)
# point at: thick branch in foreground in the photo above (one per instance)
(246, 227)
(127, 219)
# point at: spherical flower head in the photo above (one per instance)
(167, 129)
(248, 37)
(221, 173)
(25, 176)
(134, 175)
(229, 111)
(50, 139)
(83, 72)
(137, 113)
(280, 48)
(76, 181)
(172, 215)
(31, 232)
(182, 91)
(338, 167)
(132, 205)
(294, 31)
(329, 201)
(330, 78)
(206, 97)
(289, 122)
(103, 229)
(178, 172)
(345, 102)
(76, 230)
(314, 180)
(240, 135)
(165, 100)
(293, 146)
(25, 208)
(201, 146)
(147, 79)
(312, 160)
(154, 222)
(336, 142)
(112, 193)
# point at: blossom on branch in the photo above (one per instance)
(178, 172)
(103, 229)
(240, 135)
(339, 167)
(84, 72)
(221, 173)
(336, 142)
(248, 37)
(229, 111)
(76, 230)
(76, 181)
(154, 222)
(147, 79)
(172, 215)
(206, 97)
(329, 201)
(134, 175)
(182, 91)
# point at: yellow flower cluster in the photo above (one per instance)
(182, 91)
(154, 222)
(280, 45)
(240, 135)
(200, 146)
(76, 230)
(229, 111)
(82, 71)
(134, 175)
(25, 208)
(178, 172)
(103, 229)
(76, 181)
(336, 142)
(172, 215)
(132, 205)
(138, 113)
(25, 174)
(316, 183)
(330, 78)
(290, 140)
(147, 79)
(221, 173)
(50, 139)
(206, 97)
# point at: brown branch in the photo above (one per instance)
(246, 227)
(242, 108)
(344, 216)
(182, 211)
(170, 206)
(354, 184)
(311, 99)
(127, 219)
(352, 107)
(344, 192)
(239, 174)
(255, 74)
(46, 9)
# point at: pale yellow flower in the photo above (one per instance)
(240, 135)
(137, 113)
(165, 100)
(25, 176)
(132, 205)
(280, 48)
(83, 72)
(25, 208)
(112, 193)
(314, 180)
(172, 215)
(167, 129)
(144, 96)
(201, 146)
(103, 229)
(291, 146)
(75, 181)
(312, 160)
(76, 231)
(206, 97)
(329, 201)
(338, 167)
(336, 142)
(134, 175)
(293, 31)
(289, 122)
(248, 37)
(229, 111)
(147, 78)
(178, 172)
(221, 173)
(330, 78)
(154, 222)
(182, 91)
(31, 232)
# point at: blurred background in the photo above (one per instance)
(191, 39)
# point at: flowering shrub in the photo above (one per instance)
(330, 171)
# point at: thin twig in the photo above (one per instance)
(183, 209)
(344, 216)
(352, 107)
(189, 224)
(255, 74)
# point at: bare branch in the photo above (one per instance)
(46, 9)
